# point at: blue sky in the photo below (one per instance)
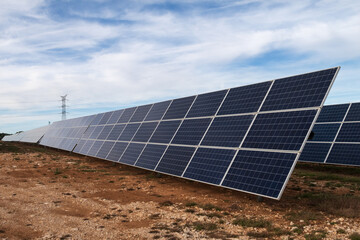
(108, 55)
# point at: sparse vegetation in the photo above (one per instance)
(204, 226)
(210, 206)
(57, 171)
(355, 236)
(303, 215)
(263, 234)
(251, 222)
(166, 203)
(315, 235)
(191, 204)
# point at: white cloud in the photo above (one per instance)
(163, 55)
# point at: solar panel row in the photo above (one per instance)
(245, 138)
(336, 136)
(31, 136)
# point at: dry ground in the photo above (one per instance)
(50, 194)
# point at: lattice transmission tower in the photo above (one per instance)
(63, 107)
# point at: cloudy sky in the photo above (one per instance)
(108, 55)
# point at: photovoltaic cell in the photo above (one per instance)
(283, 130)
(105, 118)
(97, 119)
(306, 90)
(325, 132)
(129, 132)
(165, 131)
(150, 156)
(354, 112)
(346, 154)
(95, 148)
(191, 131)
(115, 116)
(333, 113)
(96, 132)
(132, 153)
(206, 104)
(259, 172)
(145, 131)
(157, 111)
(117, 151)
(175, 160)
(209, 165)
(79, 146)
(179, 108)
(105, 149)
(116, 132)
(140, 113)
(350, 132)
(227, 131)
(127, 114)
(244, 99)
(88, 132)
(315, 152)
(85, 149)
(105, 132)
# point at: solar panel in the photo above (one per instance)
(211, 137)
(165, 131)
(175, 160)
(105, 132)
(129, 132)
(105, 118)
(300, 91)
(244, 99)
(150, 156)
(117, 151)
(132, 153)
(315, 152)
(354, 113)
(259, 172)
(345, 154)
(116, 131)
(227, 131)
(179, 107)
(325, 132)
(282, 131)
(31, 136)
(95, 148)
(336, 135)
(145, 131)
(209, 164)
(105, 149)
(333, 113)
(157, 111)
(115, 116)
(191, 127)
(207, 104)
(126, 115)
(140, 113)
(349, 132)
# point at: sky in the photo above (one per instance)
(108, 55)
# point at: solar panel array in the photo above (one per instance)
(66, 134)
(31, 136)
(336, 136)
(246, 138)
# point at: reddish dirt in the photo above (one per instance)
(50, 194)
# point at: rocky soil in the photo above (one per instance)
(50, 194)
